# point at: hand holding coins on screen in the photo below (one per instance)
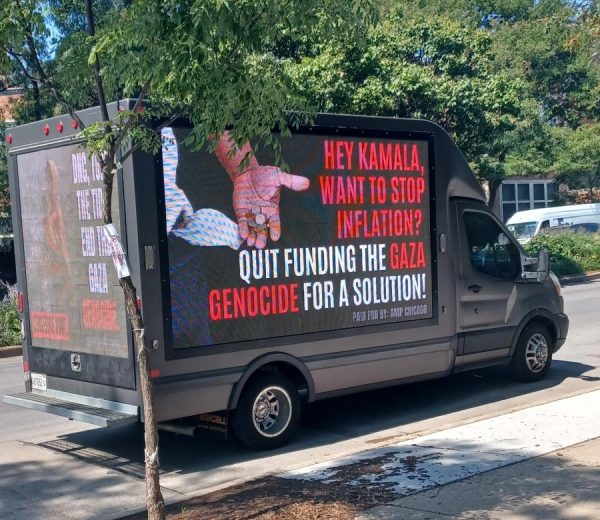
(256, 191)
(256, 194)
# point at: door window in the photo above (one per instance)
(490, 250)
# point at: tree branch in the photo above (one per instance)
(124, 130)
(43, 77)
(97, 77)
(22, 66)
(157, 130)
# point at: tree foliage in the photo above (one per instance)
(428, 67)
(500, 76)
(209, 60)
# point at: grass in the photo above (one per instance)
(10, 318)
(570, 252)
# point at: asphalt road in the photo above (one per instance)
(53, 468)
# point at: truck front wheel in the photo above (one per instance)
(268, 412)
(533, 354)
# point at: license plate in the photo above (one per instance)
(38, 381)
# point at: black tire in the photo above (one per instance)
(266, 393)
(533, 355)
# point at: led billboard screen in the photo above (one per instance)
(339, 238)
(74, 299)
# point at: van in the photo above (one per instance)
(372, 261)
(524, 225)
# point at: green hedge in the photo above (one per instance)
(10, 319)
(570, 252)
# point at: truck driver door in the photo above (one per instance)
(489, 266)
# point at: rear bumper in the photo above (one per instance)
(77, 407)
(562, 323)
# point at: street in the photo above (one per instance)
(52, 468)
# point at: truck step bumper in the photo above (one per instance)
(85, 409)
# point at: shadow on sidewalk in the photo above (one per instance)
(324, 422)
(559, 485)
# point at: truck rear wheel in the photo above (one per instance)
(533, 354)
(268, 412)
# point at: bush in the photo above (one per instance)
(570, 252)
(10, 318)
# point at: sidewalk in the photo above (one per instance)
(537, 463)
(562, 485)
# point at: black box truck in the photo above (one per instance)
(370, 260)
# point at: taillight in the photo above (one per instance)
(25, 366)
(154, 373)
(138, 303)
(20, 302)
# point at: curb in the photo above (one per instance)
(578, 278)
(6, 352)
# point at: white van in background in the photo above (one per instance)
(524, 225)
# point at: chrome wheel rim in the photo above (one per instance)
(536, 353)
(272, 411)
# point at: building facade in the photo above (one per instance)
(523, 193)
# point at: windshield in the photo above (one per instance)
(522, 230)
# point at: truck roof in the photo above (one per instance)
(460, 180)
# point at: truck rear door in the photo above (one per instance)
(75, 320)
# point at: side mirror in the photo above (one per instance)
(537, 269)
(543, 265)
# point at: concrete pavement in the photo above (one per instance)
(435, 461)
(71, 470)
(562, 485)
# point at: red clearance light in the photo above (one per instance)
(46, 130)
(74, 124)
(9, 138)
(25, 366)
(60, 127)
(20, 302)
(154, 373)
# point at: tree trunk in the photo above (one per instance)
(154, 500)
(494, 186)
(97, 77)
(37, 107)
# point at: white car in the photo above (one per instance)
(524, 225)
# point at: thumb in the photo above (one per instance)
(293, 182)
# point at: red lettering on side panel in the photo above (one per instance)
(99, 314)
(50, 325)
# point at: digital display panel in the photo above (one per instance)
(75, 301)
(338, 239)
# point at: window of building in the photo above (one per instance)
(524, 195)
